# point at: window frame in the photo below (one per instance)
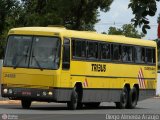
(111, 60)
(93, 41)
(120, 52)
(153, 55)
(99, 51)
(126, 45)
(33, 36)
(58, 51)
(75, 57)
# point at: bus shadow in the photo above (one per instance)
(65, 108)
(52, 108)
(62, 107)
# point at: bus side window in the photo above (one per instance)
(154, 55)
(92, 50)
(143, 57)
(105, 52)
(116, 52)
(83, 52)
(127, 54)
(137, 54)
(140, 56)
(73, 48)
(149, 55)
(66, 54)
(78, 48)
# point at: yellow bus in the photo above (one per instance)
(79, 68)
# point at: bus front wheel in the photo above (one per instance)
(123, 99)
(26, 104)
(73, 103)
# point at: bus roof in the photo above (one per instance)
(52, 31)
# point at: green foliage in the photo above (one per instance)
(39, 13)
(115, 31)
(5, 10)
(141, 9)
(127, 30)
(7, 19)
(73, 14)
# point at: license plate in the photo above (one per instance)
(26, 93)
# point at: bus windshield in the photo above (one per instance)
(33, 52)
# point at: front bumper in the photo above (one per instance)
(33, 94)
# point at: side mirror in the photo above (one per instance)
(158, 42)
(2, 52)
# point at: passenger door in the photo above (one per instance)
(65, 76)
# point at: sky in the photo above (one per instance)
(120, 14)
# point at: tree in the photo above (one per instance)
(85, 13)
(73, 14)
(6, 9)
(127, 30)
(39, 13)
(141, 9)
(115, 31)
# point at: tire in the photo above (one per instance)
(26, 104)
(133, 98)
(92, 105)
(123, 99)
(73, 103)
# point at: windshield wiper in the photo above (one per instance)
(22, 57)
(37, 62)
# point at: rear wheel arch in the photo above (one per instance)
(127, 85)
(79, 90)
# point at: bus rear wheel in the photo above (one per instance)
(26, 104)
(133, 98)
(123, 99)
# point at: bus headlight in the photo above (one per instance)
(5, 91)
(50, 93)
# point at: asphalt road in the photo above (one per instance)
(54, 111)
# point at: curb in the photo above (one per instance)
(18, 102)
(9, 102)
(157, 97)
